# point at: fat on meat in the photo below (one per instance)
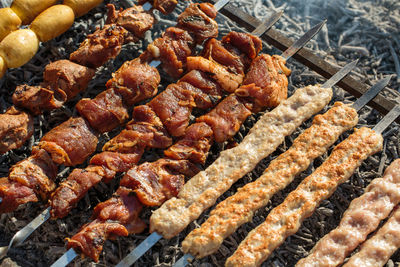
(104, 112)
(70, 143)
(16, 126)
(135, 81)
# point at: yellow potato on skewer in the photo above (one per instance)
(27, 10)
(53, 22)
(9, 21)
(3, 67)
(19, 47)
(81, 7)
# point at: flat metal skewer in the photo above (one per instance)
(387, 120)
(139, 250)
(357, 105)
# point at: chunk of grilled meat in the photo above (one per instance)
(198, 19)
(104, 112)
(174, 106)
(63, 80)
(133, 19)
(266, 88)
(36, 99)
(194, 145)
(135, 81)
(13, 194)
(16, 127)
(227, 117)
(172, 49)
(117, 216)
(211, 91)
(165, 6)
(155, 182)
(70, 143)
(29, 180)
(101, 46)
(67, 76)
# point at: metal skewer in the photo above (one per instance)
(387, 120)
(135, 254)
(357, 105)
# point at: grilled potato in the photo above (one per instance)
(53, 22)
(3, 67)
(81, 7)
(19, 47)
(27, 10)
(9, 21)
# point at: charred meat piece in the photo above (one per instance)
(198, 19)
(117, 162)
(226, 118)
(100, 46)
(15, 128)
(36, 172)
(70, 143)
(247, 44)
(201, 99)
(70, 191)
(174, 106)
(194, 145)
(123, 207)
(214, 50)
(155, 182)
(150, 128)
(118, 216)
(172, 49)
(91, 237)
(67, 76)
(105, 112)
(135, 81)
(36, 99)
(266, 82)
(14, 194)
(227, 80)
(165, 6)
(133, 19)
(211, 89)
(127, 141)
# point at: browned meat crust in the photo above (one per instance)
(16, 127)
(165, 6)
(135, 81)
(198, 19)
(67, 76)
(172, 49)
(226, 118)
(265, 88)
(133, 19)
(29, 180)
(194, 145)
(104, 112)
(70, 143)
(100, 46)
(117, 216)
